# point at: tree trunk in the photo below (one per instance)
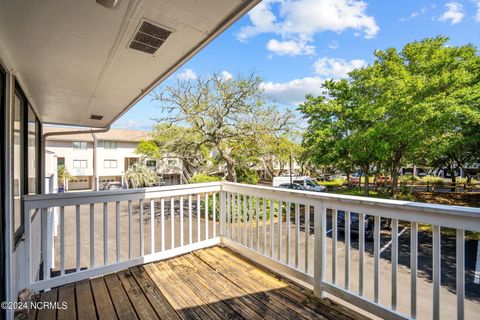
(231, 173)
(366, 182)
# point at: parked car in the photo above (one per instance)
(355, 179)
(112, 186)
(308, 183)
(383, 180)
(294, 186)
(354, 224)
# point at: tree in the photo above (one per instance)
(140, 176)
(389, 113)
(278, 149)
(63, 175)
(220, 114)
(148, 149)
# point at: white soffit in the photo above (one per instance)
(74, 60)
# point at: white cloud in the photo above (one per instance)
(293, 92)
(454, 13)
(333, 45)
(187, 74)
(290, 47)
(336, 68)
(226, 75)
(300, 20)
(477, 14)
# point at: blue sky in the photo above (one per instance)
(296, 44)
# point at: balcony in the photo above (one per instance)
(223, 250)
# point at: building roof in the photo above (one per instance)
(125, 135)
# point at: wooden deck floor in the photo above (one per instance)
(213, 283)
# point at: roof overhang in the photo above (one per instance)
(73, 58)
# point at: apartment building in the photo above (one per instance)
(105, 156)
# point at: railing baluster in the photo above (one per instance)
(117, 229)
(44, 244)
(239, 219)
(162, 221)
(229, 216)
(272, 225)
(142, 232)
(250, 219)
(245, 233)
(130, 230)
(394, 261)
(152, 226)
(105, 233)
(280, 236)
(297, 235)
(413, 268)
(257, 216)
(288, 246)
(361, 251)
(92, 235)
(172, 222)
(190, 225)
(436, 272)
(198, 218)
(62, 240)
(77, 215)
(181, 221)
(347, 249)
(460, 257)
(214, 204)
(264, 218)
(334, 246)
(206, 216)
(320, 248)
(307, 237)
(376, 253)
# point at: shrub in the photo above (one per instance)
(247, 176)
(202, 178)
(336, 183)
(436, 181)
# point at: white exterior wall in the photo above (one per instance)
(123, 150)
(64, 149)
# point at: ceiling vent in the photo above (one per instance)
(149, 37)
(96, 117)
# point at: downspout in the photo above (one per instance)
(95, 171)
(63, 133)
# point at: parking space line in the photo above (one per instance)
(476, 279)
(389, 243)
(328, 231)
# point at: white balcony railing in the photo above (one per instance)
(294, 233)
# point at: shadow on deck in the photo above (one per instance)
(213, 283)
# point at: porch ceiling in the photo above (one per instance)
(73, 57)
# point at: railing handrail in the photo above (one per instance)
(397, 204)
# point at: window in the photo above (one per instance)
(151, 163)
(60, 161)
(109, 163)
(110, 144)
(80, 164)
(80, 145)
(172, 162)
(32, 151)
(18, 107)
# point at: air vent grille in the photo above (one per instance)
(149, 38)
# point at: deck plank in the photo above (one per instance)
(122, 305)
(159, 303)
(67, 294)
(190, 276)
(215, 283)
(140, 303)
(221, 285)
(48, 314)
(103, 303)
(85, 301)
(270, 295)
(178, 286)
(177, 302)
(325, 307)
